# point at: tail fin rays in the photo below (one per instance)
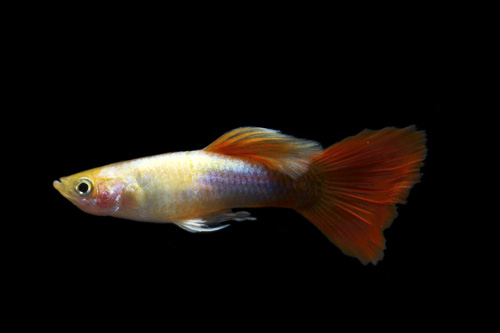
(363, 177)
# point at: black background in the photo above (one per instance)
(107, 92)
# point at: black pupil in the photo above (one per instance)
(83, 187)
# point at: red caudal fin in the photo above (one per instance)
(362, 178)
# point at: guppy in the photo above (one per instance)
(348, 191)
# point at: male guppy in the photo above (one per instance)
(348, 190)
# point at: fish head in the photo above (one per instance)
(91, 192)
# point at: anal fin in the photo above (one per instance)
(212, 222)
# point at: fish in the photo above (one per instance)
(349, 190)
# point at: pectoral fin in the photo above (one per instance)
(212, 222)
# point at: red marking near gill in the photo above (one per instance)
(106, 198)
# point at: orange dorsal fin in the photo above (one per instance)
(276, 150)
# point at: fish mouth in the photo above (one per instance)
(57, 185)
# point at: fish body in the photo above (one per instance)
(348, 190)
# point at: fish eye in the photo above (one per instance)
(84, 187)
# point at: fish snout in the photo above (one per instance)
(61, 185)
(57, 185)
